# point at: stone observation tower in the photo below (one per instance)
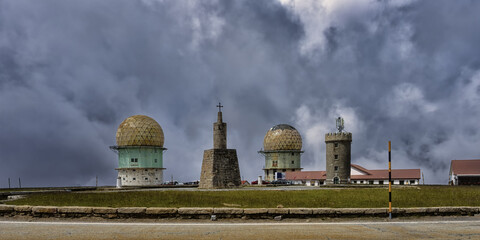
(338, 155)
(140, 152)
(282, 149)
(220, 165)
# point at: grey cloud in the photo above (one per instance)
(70, 72)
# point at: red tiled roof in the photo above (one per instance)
(360, 168)
(468, 167)
(383, 174)
(304, 175)
(373, 174)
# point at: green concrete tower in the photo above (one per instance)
(282, 147)
(140, 152)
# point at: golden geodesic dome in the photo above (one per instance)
(140, 130)
(282, 137)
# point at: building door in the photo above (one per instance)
(336, 180)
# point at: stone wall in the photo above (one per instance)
(247, 213)
(220, 169)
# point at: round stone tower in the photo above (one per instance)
(338, 156)
(140, 152)
(219, 133)
(282, 147)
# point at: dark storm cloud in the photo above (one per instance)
(71, 71)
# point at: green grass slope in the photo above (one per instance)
(421, 196)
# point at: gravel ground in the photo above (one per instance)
(406, 228)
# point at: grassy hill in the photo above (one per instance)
(420, 196)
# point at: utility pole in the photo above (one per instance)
(8, 182)
(96, 181)
(19, 183)
(390, 179)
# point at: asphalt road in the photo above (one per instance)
(469, 229)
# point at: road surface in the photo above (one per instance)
(469, 229)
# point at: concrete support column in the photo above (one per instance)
(119, 182)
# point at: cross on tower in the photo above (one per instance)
(219, 107)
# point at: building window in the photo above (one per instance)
(274, 163)
(380, 182)
(336, 168)
(134, 179)
(336, 144)
(134, 160)
(156, 178)
(155, 160)
(284, 170)
(293, 154)
(293, 162)
(354, 181)
(370, 182)
(146, 170)
(412, 181)
(133, 170)
(402, 182)
(361, 181)
(336, 157)
(293, 170)
(146, 178)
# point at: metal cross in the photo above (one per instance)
(219, 107)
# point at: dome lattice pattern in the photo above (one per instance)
(282, 137)
(140, 130)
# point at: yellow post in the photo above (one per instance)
(390, 179)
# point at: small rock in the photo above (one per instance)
(213, 218)
(279, 206)
(277, 218)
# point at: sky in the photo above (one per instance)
(71, 71)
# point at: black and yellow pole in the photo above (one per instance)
(390, 179)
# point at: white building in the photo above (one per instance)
(465, 172)
(359, 175)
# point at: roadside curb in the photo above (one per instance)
(247, 213)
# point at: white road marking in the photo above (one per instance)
(234, 224)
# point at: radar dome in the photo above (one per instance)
(140, 130)
(282, 137)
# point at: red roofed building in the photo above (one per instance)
(465, 172)
(359, 175)
(307, 177)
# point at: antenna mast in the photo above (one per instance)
(340, 124)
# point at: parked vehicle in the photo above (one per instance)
(256, 182)
(281, 182)
(191, 183)
(170, 183)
